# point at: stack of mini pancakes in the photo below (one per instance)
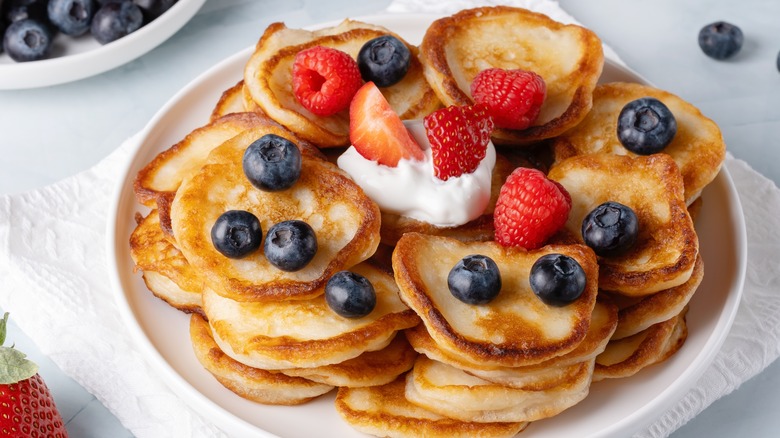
(283, 344)
(423, 363)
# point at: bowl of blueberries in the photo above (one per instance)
(49, 42)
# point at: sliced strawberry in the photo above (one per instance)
(459, 136)
(377, 132)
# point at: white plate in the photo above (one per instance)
(78, 58)
(613, 409)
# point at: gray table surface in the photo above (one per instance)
(50, 133)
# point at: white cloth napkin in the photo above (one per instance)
(54, 280)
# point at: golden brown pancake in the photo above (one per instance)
(279, 335)
(603, 322)
(637, 314)
(626, 357)
(268, 78)
(231, 101)
(372, 368)
(456, 394)
(163, 175)
(249, 102)
(166, 272)
(344, 219)
(385, 411)
(666, 247)
(569, 58)
(694, 208)
(697, 148)
(516, 328)
(250, 383)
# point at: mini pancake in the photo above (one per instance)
(250, 383)
(372, 368)
(516, 328)
(638, 314)
(697, 148)
(603, 322)
(231, 101)
(279, 335)
(541, 379)
(480, 229)
(456, 394)
(166, 272)
(385, 411)
(249, 102)
(665, 250)
(694, 208)
(163, 175)
(569, 58)
(345, 221)
(626, 357)
(268, 78)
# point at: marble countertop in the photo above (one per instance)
(47, 134)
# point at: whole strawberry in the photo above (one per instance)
(26, 406)
(530, 209)
(459, 136)
(325, 80)
(513, 97)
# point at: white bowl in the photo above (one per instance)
(81, 57)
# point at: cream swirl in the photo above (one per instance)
(411, 189)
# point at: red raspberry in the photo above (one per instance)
(459, 136)
(530, 209)
(513, 97)
(325, 79)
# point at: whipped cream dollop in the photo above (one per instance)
(411, 189)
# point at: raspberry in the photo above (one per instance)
(513, 97)
(530, 209)
(325, 79)
(459, 136)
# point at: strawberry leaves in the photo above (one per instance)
(14, 365)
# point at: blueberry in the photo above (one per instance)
(153, 8)
(115, 20)
(610, 229)
(778, 61)
(272, 163)
(71, 17)
(646, 126)
(720, 40)
(27, 40)
(17, 10)
(350, 295)
(384, 60)
(557, 279)
(475, 279)
(290, 245)
(236, 233)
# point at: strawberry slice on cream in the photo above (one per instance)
(394, 166)
(376, 131)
